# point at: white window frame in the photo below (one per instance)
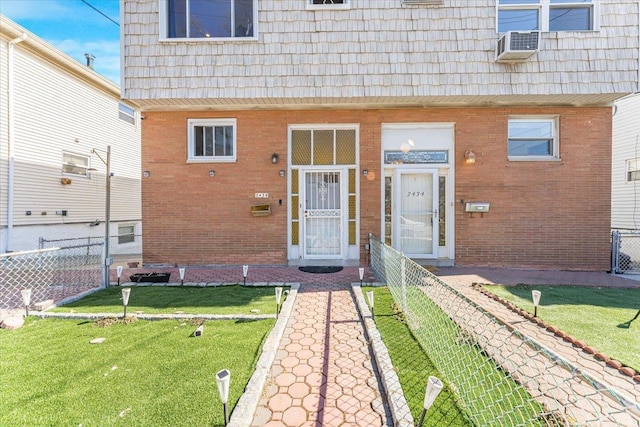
(163, 9)
(555, 145)
(544, 7)
(126, 113)
(67, 162)
(345, 5)
(632, 167)
(133, 234)
(192, 123)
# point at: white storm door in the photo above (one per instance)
(322, 212)
(416, 216)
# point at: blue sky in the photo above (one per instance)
(74, 28)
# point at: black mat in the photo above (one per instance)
(320, 270)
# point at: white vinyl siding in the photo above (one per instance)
(56, 111)
(625, 158)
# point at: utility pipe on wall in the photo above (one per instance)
(11, 140)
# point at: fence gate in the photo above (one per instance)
(625, 251)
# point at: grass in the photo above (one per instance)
(168, 300)
(599, 316)
(145, 373)
(413, 366)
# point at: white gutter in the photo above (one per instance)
(11, 140)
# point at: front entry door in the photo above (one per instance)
(322, 225)
(416, 213)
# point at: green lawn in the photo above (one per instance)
(599, 316)
(412, 365)
(171, 299)
(145, 373)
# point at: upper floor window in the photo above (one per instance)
(633, 170)
(212, 140)
(75, 164)
(127, 113)
(126, 234)
(327, 4)
(202, 19)
(546, 15)
(533, 139)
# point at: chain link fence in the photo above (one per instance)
(51, 273)
(625, 251)
(500, 377)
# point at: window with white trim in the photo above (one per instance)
(633, 170)
(75, 164)
(533, 138)
(126, 113)
(328, 4)
(126, 234)
(547, 15)
(212, 140)
(208, 19)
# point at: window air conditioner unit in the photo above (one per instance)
(516, 46)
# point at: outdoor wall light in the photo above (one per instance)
(223, 378)
(282, 172)
(181, 270)
(278, 299)
(434, 387)
(212, 173)
(365, 172)
(26, 299)
(370, 298)
(245, 270)
(146, 174)
(119, 273)
(125, 300)
(469, 157)
(535, 295)
(275, 158)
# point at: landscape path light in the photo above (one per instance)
(119, 273)
(125, 300)
(223, 378)
(361, 273)
(434, 387)
(536, 300)
(278, 299)
(26, 299)
(245, 270)
(181, 270)
(370, 298)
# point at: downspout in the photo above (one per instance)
(11, 140)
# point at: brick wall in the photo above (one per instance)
(552, 215)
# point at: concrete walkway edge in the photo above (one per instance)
(400, 411)
(242, 415)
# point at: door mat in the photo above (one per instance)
(320, 270)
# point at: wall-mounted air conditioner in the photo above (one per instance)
(516, 46)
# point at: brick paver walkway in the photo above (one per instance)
(322, 375)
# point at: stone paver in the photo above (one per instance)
(325, 371)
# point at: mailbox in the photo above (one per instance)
(477, 207)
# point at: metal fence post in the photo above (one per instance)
(615, 251)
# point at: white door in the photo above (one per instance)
(415, 213)
(322, 213)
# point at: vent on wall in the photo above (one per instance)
(516, 46)
(422, 1)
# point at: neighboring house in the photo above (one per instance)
(287, 131)
(54, 112)
(625, 180)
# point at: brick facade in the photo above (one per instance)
(550, 215)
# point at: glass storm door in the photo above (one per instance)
(416, 213)
(322, 215)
